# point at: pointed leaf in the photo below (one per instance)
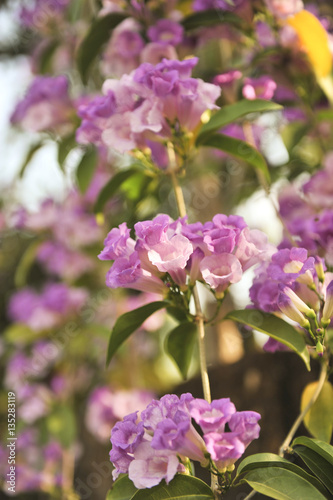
(111, 188)
(231, 112)
(180, 488)
(274, 327)
(25, 264)
(100, 32)
(86, 168)
(122, 489)
(211, 17)
(128, 323)
(64, 147)
(261, 460)
(240, 149)
(319, 419)
(320, 447)
(179, 345)
(31, 153)
(317, 464)
(282, 484)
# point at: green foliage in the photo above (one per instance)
(319, 419)
(31, 153)
(112, 187)
(65, 146)
(232, 112)
(275, 327)
(19, 333)
(123, 489)
(240, 149)
(211, 17)
(180, 344)
(128, 323)
(180, 488)
(98, 35)
(61, 424)
(86, 169)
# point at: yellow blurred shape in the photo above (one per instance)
(314, 41)
(100, 219)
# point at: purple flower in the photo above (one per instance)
(213, 416)
(150, 466)
(42, 12)
(127, 434)
(46, 105)
(63, 262)
(265, 34)
(224, 448)
(166, 32)
(259, 88)
(221, 270)
(273, 345)
(117, 243)
(245, 425)
(284, 8)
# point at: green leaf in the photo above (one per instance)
(64, 147)
(274, 327)
(231, 112)
(122, 489)
(61, 424)
(317, 464)
(179, 345)
(320, 447)
(128, 323)
(86, 168)
(319, 419)
(282, 484)
(240, 149)
(177, 313)
(46, 56)
(180, 488)
(99, 33)
(111, 188)
(261, 460)
(25, 263)
(31, 153)
(19, 333)
(211, 17)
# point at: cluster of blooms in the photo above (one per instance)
(158, 443)
(106, 406)
(145, 105)
(42, 12)
(217, 252)
(308, 212)
(45, 310)
(296, 285)
(46, 106)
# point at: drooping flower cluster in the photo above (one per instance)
(167, 251)
(146, 105)
(158, 443)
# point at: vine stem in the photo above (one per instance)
(68, 462)
(198, 309)
(300, 418)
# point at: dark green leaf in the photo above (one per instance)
(47, 54)
(64, 147)
(128, 323)
(25, 264)
(317, 464)
(61, 424)
(282, 484)
(86, 168)
(320, 447)
(211, 17)
(112, 187)
(240, 149)
(122, 489)
(274, 327)
(98, 35)
(261, 460)
(180, 488)
(179, 345)
(177, 313)
(231, 112)
(32, 150)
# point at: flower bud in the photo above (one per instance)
(328, 306)
(290, 310)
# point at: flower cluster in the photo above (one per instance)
(46, 106)
(158, 443)
(146, 105)
(167, 251)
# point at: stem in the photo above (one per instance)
(249, 137)
(68, 463)
(300, 418)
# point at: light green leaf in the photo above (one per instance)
(261, 460)
(112, 187)
(99, 33)
(65, 145)
(31, 153)
(282, 484)
(86, 168)
(320, 447)
(317, 464)
(180, 344)
(240, 149)
(25, 264)
(232, 112)
(180, 488)
(128, 323)
(122, 489)
(319, 419)
(274, 327)
(19, 333)
(211, 17)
